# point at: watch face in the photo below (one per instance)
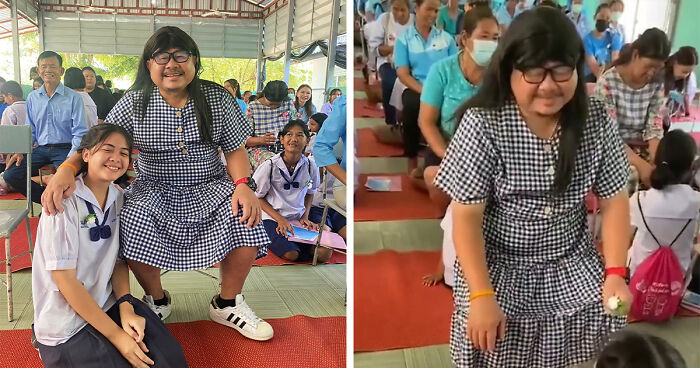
(251, 183)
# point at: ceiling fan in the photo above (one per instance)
(94, 8)
(218, 13)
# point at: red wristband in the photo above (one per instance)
(619, 271)
(241, 180)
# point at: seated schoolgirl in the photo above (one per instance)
(633, 349)
(84, 315)
(334, 220)
(315, 123)
(670, 207)
(286, 186)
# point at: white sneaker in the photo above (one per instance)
(242, 319)
(162, 311)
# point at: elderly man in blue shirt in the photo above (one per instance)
(57, 117)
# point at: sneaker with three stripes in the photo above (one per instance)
(241, 318)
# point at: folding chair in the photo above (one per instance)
(15, 139)
(328, 203)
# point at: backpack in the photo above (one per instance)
(657, 284)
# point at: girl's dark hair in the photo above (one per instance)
(629, 349)
(174, 38)
(275, 91)
(686, 55)
(674, 159)
(234, 84)
(406, 2)
(534, 38)
(291, 124)
(652, 44)
(474, 16)
(73, 78)
(308, 106)
(319, 118)
(253, 98)
(332, 92)
(601, 7)
(96, 135)
(39, 80)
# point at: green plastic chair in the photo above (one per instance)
(15, 139)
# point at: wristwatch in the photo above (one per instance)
(248, 181)
(128, 298)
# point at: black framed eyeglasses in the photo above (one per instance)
(163, 57)
(561, 73)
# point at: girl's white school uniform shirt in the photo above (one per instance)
(666, 212)
(63, 243)
(289, 203)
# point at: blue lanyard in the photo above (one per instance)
(100, 231)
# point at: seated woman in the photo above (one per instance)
(267, 115)
(302, 103)
(286, 186)
(328, 106)
(389, 26)
(450, 82)
(668, 211)
(417, 49)
(602, 45)
(680, 83)
(633, 95)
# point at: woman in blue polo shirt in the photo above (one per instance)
(416, 50)
(450, 82)
(602, 45)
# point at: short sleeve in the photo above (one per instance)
(613, 168)
(467, 172)
(435, 84)
(122, 113)
(588, 45)
(616, 41)
(262, 178)
(401, 51)
(58, 238)
(315, 177)
(234, 128)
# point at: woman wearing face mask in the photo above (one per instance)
(617, 7)
(417, 49)
(390, 26)
(302, 103)
(578, 15)
(530, 287)
(633, 95)
(450, 82)
(602, 45)
(679, 82)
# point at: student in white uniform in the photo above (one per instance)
(84, 314)
(670, 207)
(286, 186)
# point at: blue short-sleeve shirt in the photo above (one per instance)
(446, 89)
(413, 51)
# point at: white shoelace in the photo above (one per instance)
(248, 315)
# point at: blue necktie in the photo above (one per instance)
(100, 231)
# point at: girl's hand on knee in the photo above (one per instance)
(245, 197)
(134, 325)
(486, 322)
(283, 226)
(133, 352)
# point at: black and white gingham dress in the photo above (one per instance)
(542, 263)
(177, 213)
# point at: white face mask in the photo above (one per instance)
(616, 16)
(576, 8)
(482, 51)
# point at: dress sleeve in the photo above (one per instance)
(613, 169)
(653, 130)
(58, 238)
(468, 170)
(122, 113)
(262, 178)
(235, 130)
(401, 51)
